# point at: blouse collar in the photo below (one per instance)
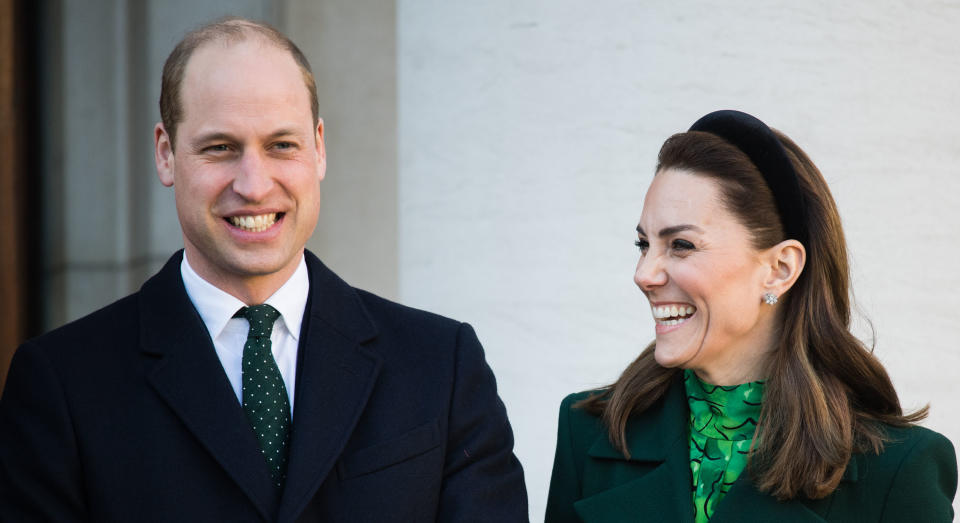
(723, 412)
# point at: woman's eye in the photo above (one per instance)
(643, 245)
(682, 245)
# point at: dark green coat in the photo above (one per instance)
(913, 480)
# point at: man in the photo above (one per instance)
(246, 381)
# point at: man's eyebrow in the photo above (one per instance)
(216, 136)
(674, 229)
(283, 132)
(220, 136)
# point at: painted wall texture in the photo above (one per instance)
(528, 133)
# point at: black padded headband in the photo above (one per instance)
(758, 142)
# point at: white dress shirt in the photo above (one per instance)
(229, 334)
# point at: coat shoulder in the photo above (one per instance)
(902, 440)
(385, 310)
(582, 425)
(576, 397)
(572, 407)
(411, 327)
(94, 330)
(116, 324)
(913, 478)
(904, 445)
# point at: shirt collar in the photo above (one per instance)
(291, 299)
(217, 307)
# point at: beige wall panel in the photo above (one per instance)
(352, 48)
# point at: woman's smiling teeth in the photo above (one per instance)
(672, 314)
(258, 223)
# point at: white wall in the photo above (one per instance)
(528, 133)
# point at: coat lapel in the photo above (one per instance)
(190, 378)
(335, 377)
(654, 483)
(745, 503)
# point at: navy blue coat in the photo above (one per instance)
(127, 415)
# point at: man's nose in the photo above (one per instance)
(253, 180)
(650, 272)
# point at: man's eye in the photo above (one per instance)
(643, 245)
(283, 145)
(218, 148)
(682, 245)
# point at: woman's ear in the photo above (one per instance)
(785, 261)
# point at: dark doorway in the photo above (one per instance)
(19, 176)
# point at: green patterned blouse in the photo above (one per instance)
(722, 423)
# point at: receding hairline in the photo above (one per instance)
(227, 32)
(236, 30)
(226, 44)
(232, 32)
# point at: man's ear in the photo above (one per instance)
(163, 154)
(785, 261)
(321, 150)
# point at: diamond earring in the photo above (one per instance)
(770, 298)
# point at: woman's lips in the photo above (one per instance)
(669, 317)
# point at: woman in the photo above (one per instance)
(754, 403)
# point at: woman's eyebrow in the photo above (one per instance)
(674, 229)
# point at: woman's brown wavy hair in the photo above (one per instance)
(826, 396)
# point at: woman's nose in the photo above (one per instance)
(650, 273)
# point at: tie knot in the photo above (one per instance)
(261, 318)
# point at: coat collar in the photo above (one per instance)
(652, 434)
(336, 373)
(189, 377)
(658, 437)
(335, 376)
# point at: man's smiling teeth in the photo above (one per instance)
(258, 223)
(672, 314)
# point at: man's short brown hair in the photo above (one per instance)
(232, 30)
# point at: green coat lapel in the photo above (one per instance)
(745, 503)
(654, 483)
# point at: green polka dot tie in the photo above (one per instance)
(264, 395)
